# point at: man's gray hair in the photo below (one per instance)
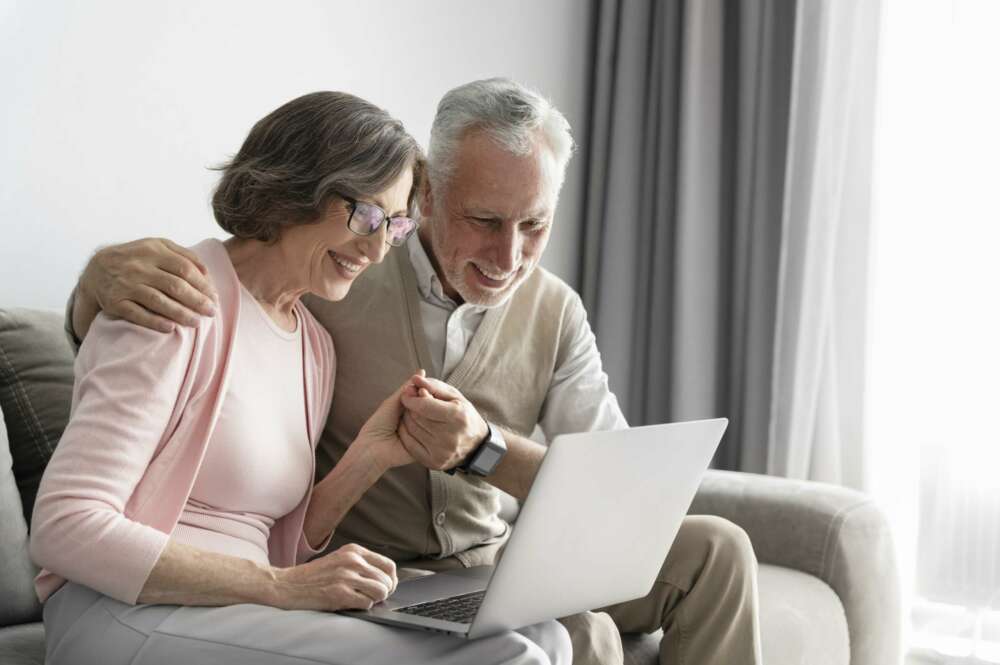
(508, 112)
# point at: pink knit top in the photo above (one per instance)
(258, 465)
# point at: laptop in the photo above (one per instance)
(594, 530)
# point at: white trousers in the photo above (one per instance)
(84, 627)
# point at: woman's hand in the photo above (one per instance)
(380, 433)
(351, 578)
(376, 450)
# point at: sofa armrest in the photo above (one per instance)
(831, 532)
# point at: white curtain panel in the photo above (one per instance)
(817, 410)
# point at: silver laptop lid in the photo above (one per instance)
(598, 523)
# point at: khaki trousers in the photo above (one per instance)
(704, 599)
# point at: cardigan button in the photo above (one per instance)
(439, 518)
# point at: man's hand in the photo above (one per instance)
(440, 427)
(152, 282)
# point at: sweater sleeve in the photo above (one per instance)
(128, 381)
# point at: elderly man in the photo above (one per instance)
(511, 348)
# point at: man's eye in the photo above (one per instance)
(481, 221)
(535, 227)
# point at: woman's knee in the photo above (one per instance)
(546, 643)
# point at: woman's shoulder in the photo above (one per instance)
(112, 339)
(219, 267)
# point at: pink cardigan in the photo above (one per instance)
(144, 407)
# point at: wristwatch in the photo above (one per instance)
(484, 459)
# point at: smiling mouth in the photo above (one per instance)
(347, 265)
(494, 278)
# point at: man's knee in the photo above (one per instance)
(708, 541)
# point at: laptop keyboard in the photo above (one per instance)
(460, 609)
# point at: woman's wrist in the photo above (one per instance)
(373, 456)
(333, 497)
(282, 592)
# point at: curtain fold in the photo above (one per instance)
(719, 158)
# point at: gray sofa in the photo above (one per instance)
(828, 582)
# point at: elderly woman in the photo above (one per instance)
(178, 521)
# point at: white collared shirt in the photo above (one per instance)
(578, 399)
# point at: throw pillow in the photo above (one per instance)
(36, 387)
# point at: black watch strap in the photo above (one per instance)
(484, 459)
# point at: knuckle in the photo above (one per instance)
(187, 271)
(158, 300)
(172, 288)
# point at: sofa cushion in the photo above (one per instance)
(802, 622)
(22, 645)
(36, 386)
(801, 619)
(18, 604)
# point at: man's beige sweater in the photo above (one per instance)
(506, 372)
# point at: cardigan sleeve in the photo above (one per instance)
(128, 382)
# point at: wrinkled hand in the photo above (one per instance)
(380, 432)
(440, 427)
(151, 282)
(351, 577)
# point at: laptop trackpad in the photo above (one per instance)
(439, 585)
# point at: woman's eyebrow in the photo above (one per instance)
(399, 213)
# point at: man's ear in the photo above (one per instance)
(426, 199)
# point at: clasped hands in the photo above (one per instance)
(425, 421)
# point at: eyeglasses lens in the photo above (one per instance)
(400, 229)
(366, 219)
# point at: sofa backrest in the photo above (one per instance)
(36, 386)
(18, 603)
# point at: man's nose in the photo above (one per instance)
(508, 249)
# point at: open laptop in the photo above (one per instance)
(601, 516)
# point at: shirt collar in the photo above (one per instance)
(427, 280)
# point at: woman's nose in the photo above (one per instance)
(374, 246)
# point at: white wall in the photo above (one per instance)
(110, 111)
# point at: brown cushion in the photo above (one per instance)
(36, 386)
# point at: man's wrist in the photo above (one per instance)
(485, 458)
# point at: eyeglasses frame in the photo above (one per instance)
(385, 220)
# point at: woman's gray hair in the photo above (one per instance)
(508, 112)
(301, 155)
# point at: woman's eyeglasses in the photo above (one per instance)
(367, 218)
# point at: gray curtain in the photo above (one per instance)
(704, 235)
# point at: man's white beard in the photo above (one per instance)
(456, 277)
(484, 297)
